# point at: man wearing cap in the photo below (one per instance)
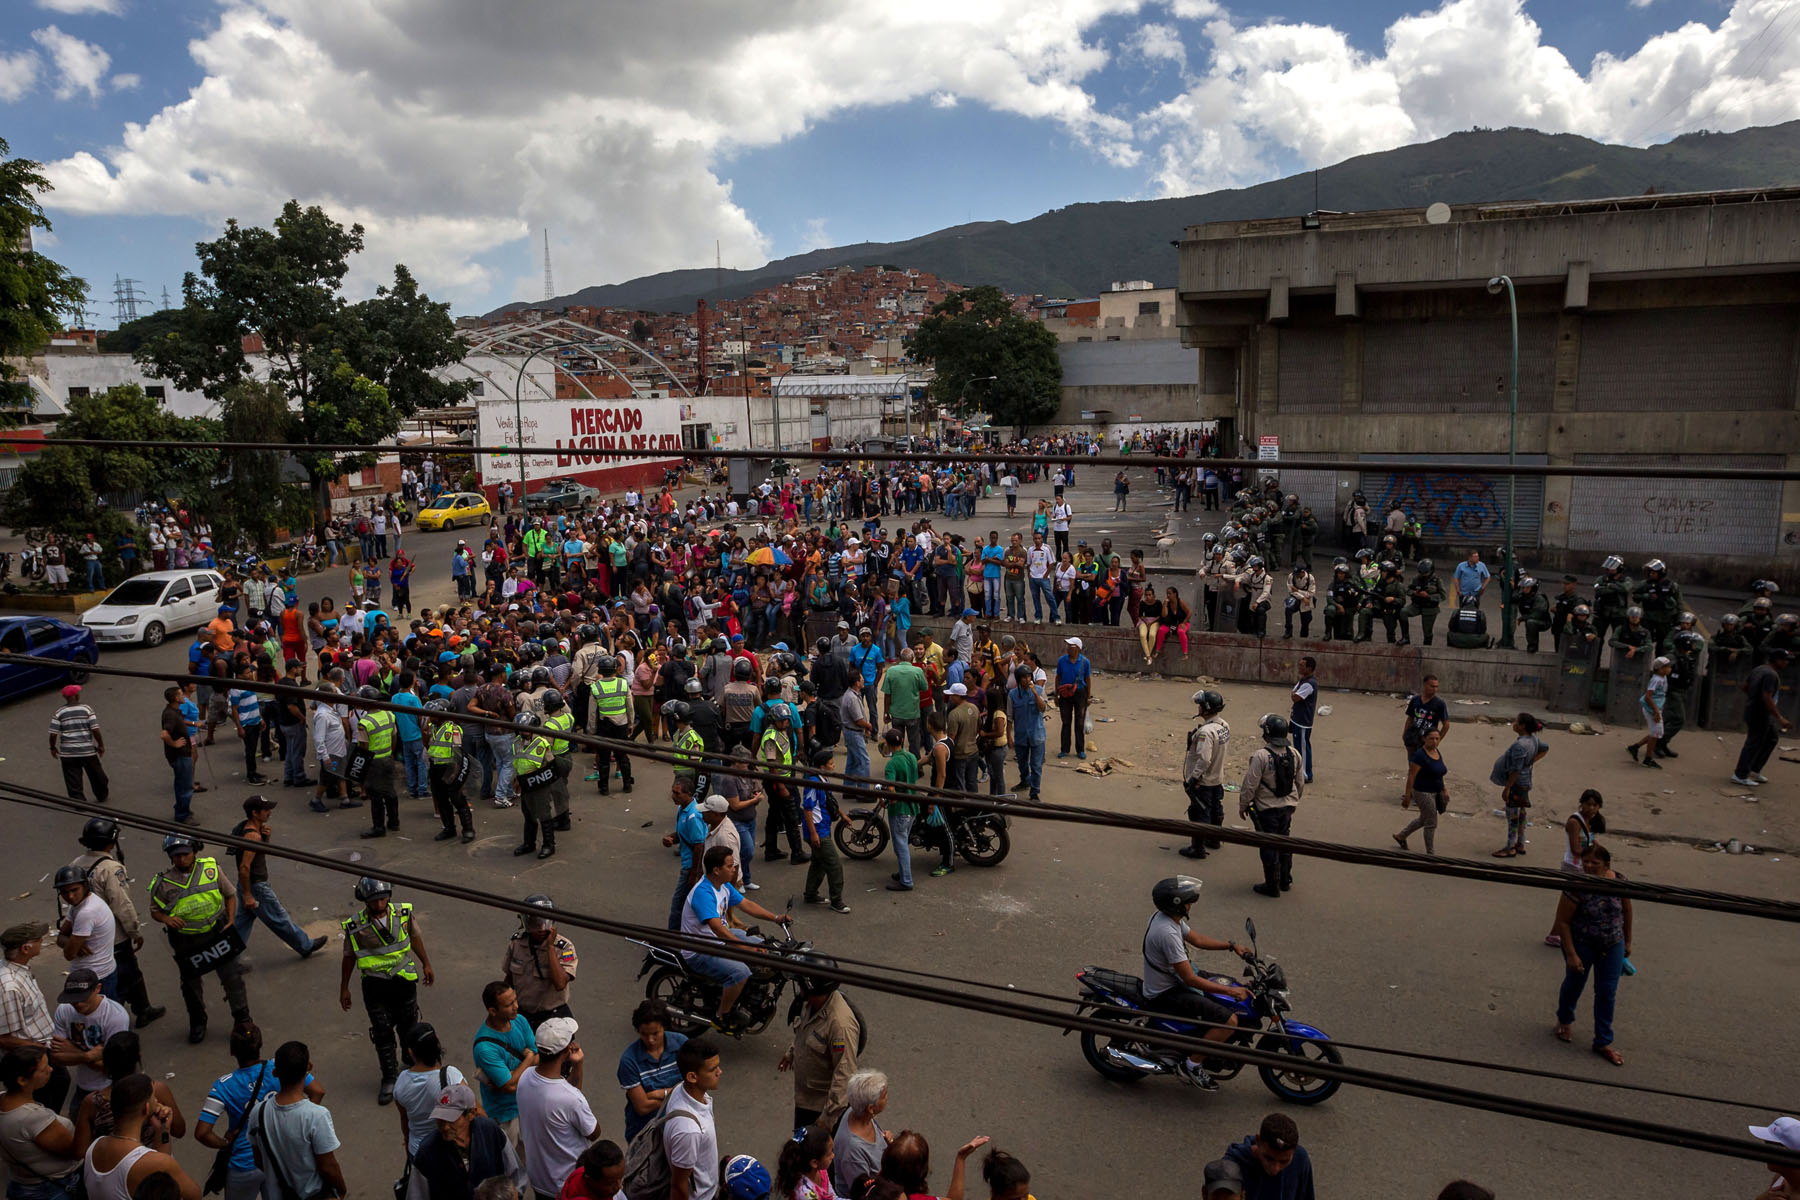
(87, 930)
(1074, 692)
(555, 1121)
(195, 902)
(24, 1017)
(83, 1020)
(1783, 1132)
(715, 810)
(1274, 1164)
(76, 744)
(540, 965)
(259, 901)
(962, 637)
(107, 879)
(963, 724)
(461, 1151)
(1223, 1179)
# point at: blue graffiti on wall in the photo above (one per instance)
(1448, 506)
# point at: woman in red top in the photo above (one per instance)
(907, 1162)
(293, 634)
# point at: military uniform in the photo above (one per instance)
(378, 781)
(609, 716)
(1534, 613)
(1306, 531)
(381, 949)
(560, 721)
(1562, 609)
(1612, 596)
(535, 768)
(106, 878)
(1342, 602)
(1427, 596)
(1389, 599)
(1633, 636)
(526, 967)
(446, 770)
(689, 748)
(776, 751)
(1660, 598)
(200, 900)
(1682, 678)
(1731, 645)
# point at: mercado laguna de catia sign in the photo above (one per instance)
(584, 436)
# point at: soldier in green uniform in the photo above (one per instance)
(1660, 598)
(534, 767)
(1368, 574)
(1390, 603)
(559, 720)
(1426, 595)
(383, 942)
(1612, 595)
(1275, 536)
(1563, 608)
(1785, 636)
(1762, 589)
(195, 902)
(1290, 528)
(1684, 673)
(1306, 531)
(1632, 639)
(1343, 601)
(376, 734)
(1730, 641)
(1581, 629)
(1687, 622)
(446, 770)
(1533, 611)
(1761, 621)
(609, 716)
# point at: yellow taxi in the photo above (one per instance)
(454, 508)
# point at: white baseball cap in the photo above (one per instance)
(956, 689)
(1074, 641)
(1783, 1131)
(554, 1035)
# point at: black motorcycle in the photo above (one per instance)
(981, 838)
(693, 1001)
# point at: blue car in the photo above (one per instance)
(50, 638)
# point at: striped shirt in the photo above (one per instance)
(74, 726)
(23, 1013)
(248, 705)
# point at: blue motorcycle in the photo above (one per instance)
(1263, 1023)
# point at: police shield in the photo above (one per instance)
(200, 954)
(1787, 698)
(1724, 695)
(1574, 681)
(1625, 691)
(359, 765)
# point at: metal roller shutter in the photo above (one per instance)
(1464, 509)
(1317, 490)
(1659, 514)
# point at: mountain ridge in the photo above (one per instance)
(1077, 249)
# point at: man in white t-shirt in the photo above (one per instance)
(79, 1027)
(1061, 512)
(1038, 561)
(88, 929)
(690, 1138)
(555, 1122)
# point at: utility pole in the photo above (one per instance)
(549, 284)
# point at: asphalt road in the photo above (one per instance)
(1380, 957)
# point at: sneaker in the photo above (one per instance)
(1742, 782)
(1651, 762)
(468, 835)
(940, 872)
(502, 802)
(1633, 751)
(590, 777)
(839, 907)
(443, 835)
(1191, 852)
(753, 887)
(1081, 754)
(1197, 1076)
(1758, 777)
(150, 1014)
(350, 804)
(897, 886)
(315, 806)
(256, 779)
(1263, 889)
(813, 899)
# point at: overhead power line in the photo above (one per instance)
(1580, 1118)
(1404, 860)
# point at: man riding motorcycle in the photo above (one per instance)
(1171, 985)
(707, 908)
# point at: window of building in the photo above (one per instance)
(480, 388)
(1111, 337)
(1084, 339)
(76, 393)
(156, 392)
(1149, 308)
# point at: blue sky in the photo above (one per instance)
(642, 134)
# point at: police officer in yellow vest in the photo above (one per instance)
(534, 767)
(376, 738)
(195, 901)
(383, 942)
(446, 769)
(558, 719)
(609, 716)
(776, 751)
(690, 747)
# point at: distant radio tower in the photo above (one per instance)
(126, 297)
(165, 296)
(549, 286)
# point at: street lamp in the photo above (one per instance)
(1509, 570)
(964, 395)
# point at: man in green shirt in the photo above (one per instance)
(902, 809)
(902, 686)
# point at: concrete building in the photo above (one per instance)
(1661, 330)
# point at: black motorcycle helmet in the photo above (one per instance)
(814, 985)
(741, 669)
(368, 888)
(69, 876)
(553, 701)
(99, 833)
(1274, 726)
(771, 687)
(1210, 702)
(1175, 895)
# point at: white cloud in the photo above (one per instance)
(1277, 91)
(125, 81)
(18, 74)
(1642, 3)
(452, 130)
(1159, 43)
(79, 66)
(814, 237)
(111, 8)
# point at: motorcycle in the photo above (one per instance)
(693, 1001)
(981, 838)
(1263, 1023)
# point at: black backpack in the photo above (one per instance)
(1283, 763)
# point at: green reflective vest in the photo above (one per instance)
(531, 753)
(197, 899)
(561, 722)
(689, 746)
(783, 744)
(384, 952)
(612, 699)
(445, 741)
(380, 728)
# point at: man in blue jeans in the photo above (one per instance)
(178, 748)
(706, 909)
(1027, 707)
(1300, 718)
(256, 896)
(412, 737)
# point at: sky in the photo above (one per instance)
(650, 136)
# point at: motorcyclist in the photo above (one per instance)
(708, 908)
(1171, 985)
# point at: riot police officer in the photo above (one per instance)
(1785, 636)
(1684, 673)
(1762, 589)
(1426, 595)
(1632, 639)
(446, 770)
(106, 878)
(1533, 612)
(1215, 575)
(689, 746)
(1306, 531)
(1730, 640)
(1368, 574)
(609, 716)
(559, 720)
(384, 943)
(375, 737)
(1390, 603)
(1343, 601)
(535, 769)
(1761, 621)
(704, 714)
(1563, 608)
(1660, 599)
(1254, 586)
(1686, 623)
(1612, 595)
(196, 903)
(1581, 628)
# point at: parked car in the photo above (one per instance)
(49, 638)
(147, 608)
(562, 495)
(455, 508)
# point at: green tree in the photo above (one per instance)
(974, 333)
(132, 334)
(259, 493)
(351, 372)
(35, 293)
(63, 489)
